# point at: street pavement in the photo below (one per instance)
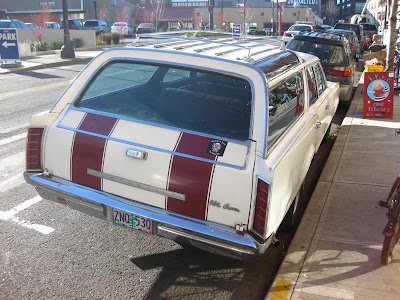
(335, 253)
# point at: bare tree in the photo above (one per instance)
(392, 18)
(122, 16)
(40, 20)
(104, 14)
(247, 13)
(220, 19)
(331, 12)
(158, 9)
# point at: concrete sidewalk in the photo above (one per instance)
(52, 60)
(335, 253)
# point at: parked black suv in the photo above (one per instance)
(334, 52)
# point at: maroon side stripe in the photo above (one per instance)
(190, 176)
(88, 150)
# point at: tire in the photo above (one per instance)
(327, 133)
(290, 219)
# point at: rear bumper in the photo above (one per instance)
(182, 229)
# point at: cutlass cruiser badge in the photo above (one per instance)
(216, 147)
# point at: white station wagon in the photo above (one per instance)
(203, 141)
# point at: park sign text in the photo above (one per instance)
(9, 44)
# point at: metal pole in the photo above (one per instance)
(95, 9)
(67, 51)
(276, 22)
(272, 17)
(211, 13)
(244, 16)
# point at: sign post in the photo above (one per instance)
(9, 53)
(378, 95)
(236, 31)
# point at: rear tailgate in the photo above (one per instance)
(146, 145)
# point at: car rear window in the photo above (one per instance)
(91, 24)
(327, 53)
(354, 28)
(299, 28)
(5, 24)
(191, 99)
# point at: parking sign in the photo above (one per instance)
(9, 44)
(236, 31)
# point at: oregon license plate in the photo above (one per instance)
(133, 221)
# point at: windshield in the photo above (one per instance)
(4, 24)
(330, 54)
(91, 24)
(299, 28)
(191, 99)
(119, 24)
(145, 25)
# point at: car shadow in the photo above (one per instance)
(39, 75)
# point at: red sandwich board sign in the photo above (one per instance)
(378, 94)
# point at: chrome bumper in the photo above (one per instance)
(182, 229)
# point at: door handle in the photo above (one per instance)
(318, 124)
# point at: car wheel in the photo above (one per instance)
(290, 219)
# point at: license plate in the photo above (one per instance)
(133, 221)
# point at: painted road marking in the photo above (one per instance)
(10, 215)
(11, 169)
(13, 139)
(34, 89)
(14, 128)
(280, 290)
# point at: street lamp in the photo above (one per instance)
(67, 51)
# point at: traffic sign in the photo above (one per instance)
(236, 31)
(9, 44)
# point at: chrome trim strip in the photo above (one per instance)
(101, 205)
(244, 166)
(136, 184)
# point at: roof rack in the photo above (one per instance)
(167, 39)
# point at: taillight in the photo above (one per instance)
(34, 149)
(341, 71)
(260, 214)
(285, 34)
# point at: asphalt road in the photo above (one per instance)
(49, 251)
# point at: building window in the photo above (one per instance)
(294, 14)
(262, 14)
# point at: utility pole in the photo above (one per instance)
(211, 13)
(67, 51)
(244, 16)
(95, 9)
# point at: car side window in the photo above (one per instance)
(286, 103)
(312, 89)
(320, 79)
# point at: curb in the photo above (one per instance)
(47, 65)
(288, 274)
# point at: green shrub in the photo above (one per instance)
(260, 32)
(107, 37)
(100, 42)
(55, 45)
(37, 46)
(77, 42)
(115, 38)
